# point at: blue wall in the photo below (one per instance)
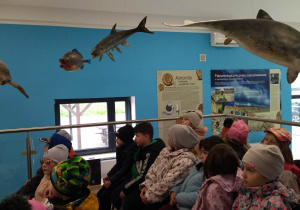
(32, 53)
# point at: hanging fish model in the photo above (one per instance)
(264, 37)
(5, 78)
(115, 38)
(72, 61)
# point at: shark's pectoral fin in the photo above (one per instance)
(19, 88)
(119, 50)
(227, 41)
(100, 57)
(291, 75)
(125, 43)
(110, 55)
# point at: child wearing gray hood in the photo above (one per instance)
(170, 168)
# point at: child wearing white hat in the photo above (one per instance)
(263, 190)
(50, 159)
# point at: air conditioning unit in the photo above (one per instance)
(217, 40)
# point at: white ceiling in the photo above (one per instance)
(128, 13)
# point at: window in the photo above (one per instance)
(96, 139)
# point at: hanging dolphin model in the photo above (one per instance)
(264, 37)
(115, 38)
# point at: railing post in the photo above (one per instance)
(28, 153)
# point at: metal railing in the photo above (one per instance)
(28, 139)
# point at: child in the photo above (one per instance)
(50, 159)
(226, 125)
(145, 154)
(183, 196)
(61, 137)
(194, 120)
(70, 180)
(237, 136)
(281, 137)
(18, 202)
(223, 179)
(121, 170)
(170, 168)
(262, 190)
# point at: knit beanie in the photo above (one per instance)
(238, 132)
(266, 159)
(57, 154)
(281, 134)
(194, 117)
(57, 139)
(65, 134)
(71, 177)
(126, 133)
(183, 136)
(36, 205)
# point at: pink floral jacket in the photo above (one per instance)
(168, 170)
(219, 192)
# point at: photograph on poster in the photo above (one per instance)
(246, 93)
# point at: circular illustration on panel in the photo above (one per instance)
(199, 74)
(161, 87)
(167, 79)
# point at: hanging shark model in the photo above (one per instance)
(264, 37)
(115, 38)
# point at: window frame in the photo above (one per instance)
(111, 117)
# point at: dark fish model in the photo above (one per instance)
(5, 78)
(115, 38)
(264, 37)
(72, 61)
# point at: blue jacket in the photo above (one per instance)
(188, 191)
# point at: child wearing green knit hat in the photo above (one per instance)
(70, 180)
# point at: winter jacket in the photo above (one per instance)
(169, 169)
(143, 159)
(293, 168)
(88, 202)
(187, 192)
(40, 190)
(30, 186)
(219, 192)
(273, 195)
(121, 170)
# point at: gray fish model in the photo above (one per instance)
(264, 37)
(5, 78)
(116, 38)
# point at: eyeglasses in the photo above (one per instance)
(47, 162)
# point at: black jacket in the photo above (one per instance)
(144, 158)
(121, 170)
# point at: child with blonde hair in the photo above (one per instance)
(262, 189)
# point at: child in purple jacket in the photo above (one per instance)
(219, 190)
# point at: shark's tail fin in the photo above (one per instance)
(141, 27)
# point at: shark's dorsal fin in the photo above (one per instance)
(113, 30)
(227, 41)
(76, 51)
(263, 15)
(125, 43)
